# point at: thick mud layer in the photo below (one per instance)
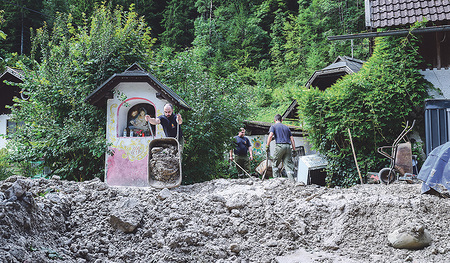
(247, 220)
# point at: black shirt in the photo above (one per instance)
(170, 126)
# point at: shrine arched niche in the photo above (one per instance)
(137, 126)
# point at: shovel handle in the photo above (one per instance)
(151, 131)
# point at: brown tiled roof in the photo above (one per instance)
(386, 13)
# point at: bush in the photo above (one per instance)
(5, 166)
(374, 104)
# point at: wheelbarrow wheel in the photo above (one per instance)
(387, 175)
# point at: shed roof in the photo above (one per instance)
(262, 128)
(13, 75)
(9, 91)
(291, 113)
(134, 74)
(387, 13)
(327, 76)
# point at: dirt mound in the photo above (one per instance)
(245, 220)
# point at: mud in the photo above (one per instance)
(165, 164)
(245, 220)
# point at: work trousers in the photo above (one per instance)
(244, 162)
(283, 153)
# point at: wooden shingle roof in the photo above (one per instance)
(387, 13)
(327, 76)
(134, 74)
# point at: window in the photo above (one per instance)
(11, 126)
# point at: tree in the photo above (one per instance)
(2, 20)
(20, 16)
(305, 47)
(232, 37)
(178, 23)
(59, 126)
(219, 106)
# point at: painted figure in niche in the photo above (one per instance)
(138, 121)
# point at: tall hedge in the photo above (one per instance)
(374, 104)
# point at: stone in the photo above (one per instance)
(127, 215)
(164, 194)
(410, 237)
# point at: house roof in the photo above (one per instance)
(262, 128)
(387, 13)
(9, 91)
(13, 75)
(327, 76)
(292, 112)
(134, 74)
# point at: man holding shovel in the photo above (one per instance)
(169, 121)
(243, 147)
(171, 124)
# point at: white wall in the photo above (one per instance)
(440, 78)
(259, 144)
(3, 120)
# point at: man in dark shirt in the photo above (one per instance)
(169, 122)
(243, 147)
(283, 153)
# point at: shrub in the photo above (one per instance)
(374, 104)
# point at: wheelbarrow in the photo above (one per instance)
(401, 166)
(164, 162)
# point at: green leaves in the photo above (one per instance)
(60, 127)
(219, 106)
(374, 103)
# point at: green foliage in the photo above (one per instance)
(5, 166)
(218, 109)
(178, 24)
(230, 60)
(232, 36)
(374, 104)
(60, 127)
(2, 20)
(301, 45)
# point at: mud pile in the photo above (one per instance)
(165, 164)
(246, 220)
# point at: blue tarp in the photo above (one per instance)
(435, 172)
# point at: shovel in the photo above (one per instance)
(242, 168)
(267, 164)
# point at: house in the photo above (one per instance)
(127, 97)
(325, 78)
(435, 49)
(329, 75)
(396, 17)
(8, 93)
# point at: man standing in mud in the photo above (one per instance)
(243, 147)
(283, 153)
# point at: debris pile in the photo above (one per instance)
(164, 163)
(224, 220)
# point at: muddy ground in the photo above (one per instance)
(239, 220)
